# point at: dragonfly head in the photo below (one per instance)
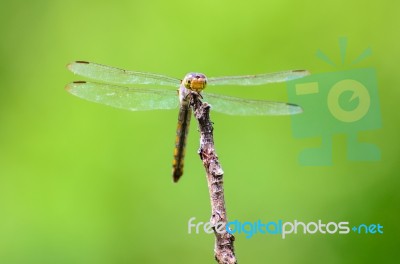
(195, 81)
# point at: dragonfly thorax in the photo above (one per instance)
(195, 81)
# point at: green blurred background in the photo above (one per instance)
(86, 183)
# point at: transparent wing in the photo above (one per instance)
(119, 76)
(245, 107)
(134, 99)
(258, 79)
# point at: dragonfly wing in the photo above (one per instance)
(246, 107)
(259, 79)
(134, 99)
(119, 76)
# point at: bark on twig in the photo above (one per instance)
(224, 249)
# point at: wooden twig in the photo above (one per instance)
(224, 249)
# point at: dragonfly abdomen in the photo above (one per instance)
(180, 140)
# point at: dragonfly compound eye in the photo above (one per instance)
(195, 81)
(187, 82)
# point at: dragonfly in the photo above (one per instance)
(116, 89)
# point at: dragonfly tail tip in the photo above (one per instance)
(177, 175)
